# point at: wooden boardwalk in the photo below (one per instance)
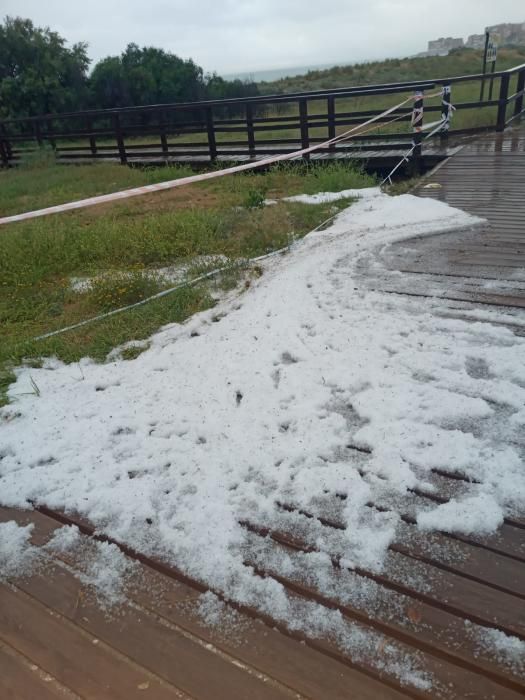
(483, 266)
(378, 156)
(435, 591)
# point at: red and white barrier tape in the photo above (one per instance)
(170, 184)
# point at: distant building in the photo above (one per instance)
(501, 34)
(475, 41)
(443, 46)
(505, 34)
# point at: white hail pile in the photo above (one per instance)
(255, 403)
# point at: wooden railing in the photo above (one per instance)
(248, 127)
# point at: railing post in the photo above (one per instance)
(37, 132)
(331, 119)
(250, 129)
(303, 118)
(5, 150)
(446, 111)
(417, 125)
(502, 102)
(212, 144)
(484, 70)
(120, 139)
(3, 155)
(92, 140)
(49, 124)
(163, 137)
(518, 105)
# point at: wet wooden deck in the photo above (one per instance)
(57, 642)
(485, 265)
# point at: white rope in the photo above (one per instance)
(438, 122)
(450, 109)
(407, 155)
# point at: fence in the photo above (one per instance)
(250, 128)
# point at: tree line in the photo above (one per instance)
(39, 74)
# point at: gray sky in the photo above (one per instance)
(237, 36)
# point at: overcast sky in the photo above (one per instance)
(234, 36)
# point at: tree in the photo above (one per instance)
(218, 88)
(108, 84)
(38, 73)
(141, 76)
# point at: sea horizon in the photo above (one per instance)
(258, 76)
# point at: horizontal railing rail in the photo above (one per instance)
(255, 126)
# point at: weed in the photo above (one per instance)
(403, 186)
(34, 386)
(254, 199)
(121, 289)
(133, 351)
(7, 377)
(335, 177)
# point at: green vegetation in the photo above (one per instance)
(38, 73)
(118, 251)
(41, 183)
(459, 62)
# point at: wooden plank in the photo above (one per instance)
(75, 659)
(507, 540)
(21, 679)
(330, 110)
(164, 650)
(300, 666)
(490, 300)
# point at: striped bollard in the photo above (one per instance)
(446, 111)
(417, 126)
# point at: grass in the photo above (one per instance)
(121, 246)
(39, 182)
